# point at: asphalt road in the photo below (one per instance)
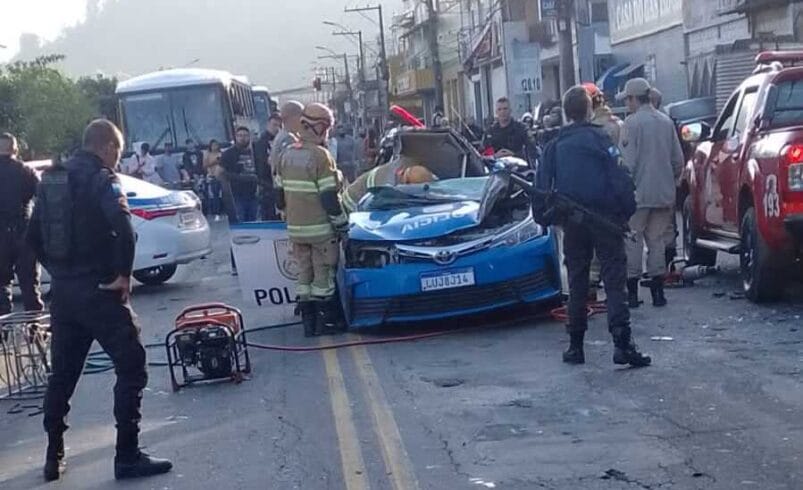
(491, 407)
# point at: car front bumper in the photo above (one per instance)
(504, 276)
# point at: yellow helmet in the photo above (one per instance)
(417, 174)
(317, 118)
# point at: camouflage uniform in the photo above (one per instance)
(309, 184)
(378, 176)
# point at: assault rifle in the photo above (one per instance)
(553, 208)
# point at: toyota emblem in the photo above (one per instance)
(444, 257)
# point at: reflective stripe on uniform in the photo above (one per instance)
(371, 178)
(303, 290)
(299, 186)
(310, 230)
(327, 183)
(323, 292)
(277, 181)
(348, 202)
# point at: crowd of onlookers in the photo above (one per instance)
(236, 181)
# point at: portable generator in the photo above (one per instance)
(208, 343)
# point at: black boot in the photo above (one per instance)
(308, 313)
(632, 293)
(139, 465)
(574, 354)
(669, 256)
(626, 352)
(328, 318)
(54, 458)
(657, 291)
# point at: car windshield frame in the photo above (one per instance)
(385, 198)
(787, 107)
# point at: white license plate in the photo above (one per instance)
(453, 278)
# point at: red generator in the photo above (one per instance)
(210, 340)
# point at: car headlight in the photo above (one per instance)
(524, 232)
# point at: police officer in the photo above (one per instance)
(81, 230)
(309, 185)
(17, 188)
(583, 164)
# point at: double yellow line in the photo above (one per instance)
(397, 461)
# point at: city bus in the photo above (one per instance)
(187, 103)
(264, 105)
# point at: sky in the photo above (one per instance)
(45, 18)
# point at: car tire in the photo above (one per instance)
(154, 276)
(694, 255)
(761, 278)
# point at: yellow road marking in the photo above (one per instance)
(354, 472)
(397, 461)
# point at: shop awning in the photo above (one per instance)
(629, 70)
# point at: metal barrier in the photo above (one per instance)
(24, 354)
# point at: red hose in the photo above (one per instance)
(558, 314)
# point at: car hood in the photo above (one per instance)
(414, 223)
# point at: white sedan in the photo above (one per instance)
(170, 228)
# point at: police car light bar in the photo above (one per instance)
(767, 57)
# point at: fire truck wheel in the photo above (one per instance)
(761, 277)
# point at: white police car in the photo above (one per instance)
(170, 227)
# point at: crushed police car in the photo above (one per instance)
(463, 243)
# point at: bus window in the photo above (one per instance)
(198, 114)
(146, 118)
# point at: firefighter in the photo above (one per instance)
(384, 175)
(309, 186)
(81, 231)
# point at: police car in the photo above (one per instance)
(171, 229)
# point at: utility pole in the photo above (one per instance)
(383, 91)
(432, 38)
(565, 44)
(362, 51)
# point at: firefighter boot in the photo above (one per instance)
(626, 352)
(130, 462)
(327, 321)
(657, 291)
(632, 293)
(574, 354)
(308, 314)
(54, 457)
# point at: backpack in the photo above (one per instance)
(56, 209)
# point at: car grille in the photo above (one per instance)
(464, 298)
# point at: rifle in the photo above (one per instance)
(554, 208)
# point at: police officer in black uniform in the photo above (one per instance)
(507, 136)
(582, 163)
(17, 188)
(81, 230)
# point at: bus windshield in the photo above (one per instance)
(174, 115)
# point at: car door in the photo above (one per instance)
(713, 195)
(730, 163)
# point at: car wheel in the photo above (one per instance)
(761, 280)
(154, 276)
(693, 254)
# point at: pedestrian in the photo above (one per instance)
(309, 185)
(81, 231)
(371, 148)
(192, 163)
(262, 149)
(346, 147)
(652, 152)
(438, 117)
(656, 98)
(671, 232)
(507, 136)
(169, 168)
(214, 174)
(17, 189)
(240, 171)
(147, 167)
(359, 152)
(582, 163)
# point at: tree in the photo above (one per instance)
(99, 91)
(44, 108)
